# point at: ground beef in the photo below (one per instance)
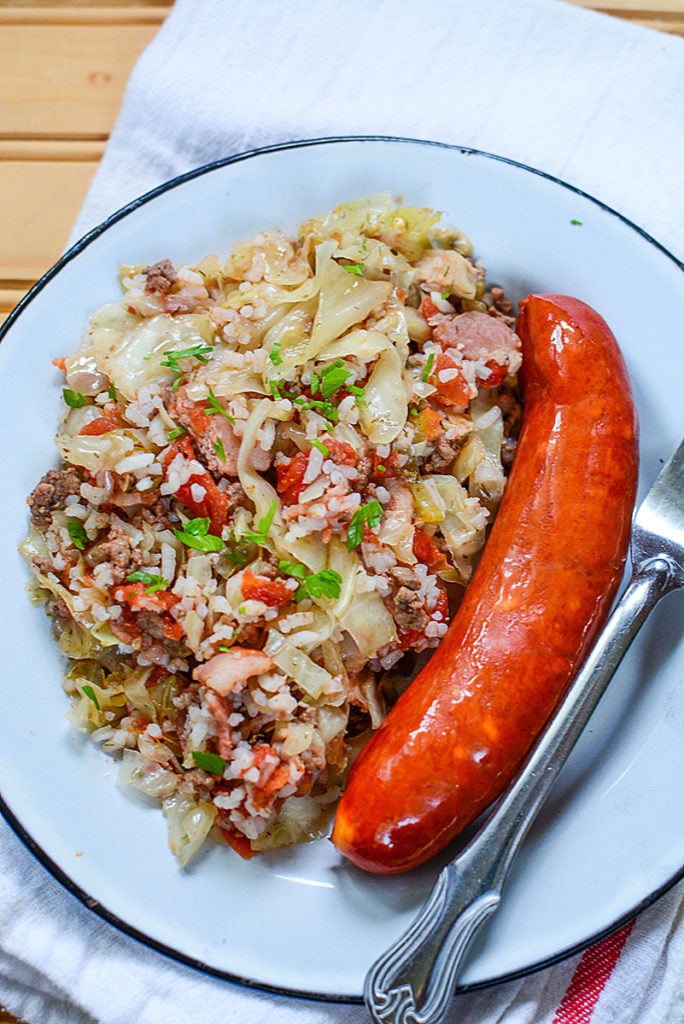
(405, 577)
(51, 493)
(408, 610)
(443, 454)
(160, 278)
(118, 551)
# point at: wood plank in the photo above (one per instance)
(35, 225)
(66, 81)
(128, 14)
(51, 149)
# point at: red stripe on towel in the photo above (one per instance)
(590, 977)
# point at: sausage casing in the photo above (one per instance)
(540, 594)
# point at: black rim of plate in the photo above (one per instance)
(61, 876)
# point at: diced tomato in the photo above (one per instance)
(260, 588)
(239, 843)
(496, 376)
(214, 504)
(428, 308)
(291, 477)
(340, 451)
(60, 363)
(428, 424)
(136, 597)
(426, 551)
(453, 393)
(172, 630)
(199, 421)
(102, 424)
(385, 468)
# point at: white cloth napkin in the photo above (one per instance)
(583, 96)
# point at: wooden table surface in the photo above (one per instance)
(63, 70)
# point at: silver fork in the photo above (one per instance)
(413, 981)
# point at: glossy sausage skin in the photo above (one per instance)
(540, 594)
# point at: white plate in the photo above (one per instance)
(611, 837)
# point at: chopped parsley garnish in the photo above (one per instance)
(195, 534)
(574, 221)
(90, 693)
(74, 399)
(152, 581)
(219, 449)
(201, 352)
(371, 513)
(295, 569)
(177, 382)
(326, 583)
(334, 378)
(358, 394)
(223, 647)
(215, 407)
(259, 535)
(213, 763)
(413, 411)
(445, 296)
(327, 410)
(381, 468)
(428, 368)
(79, 538)
(275, 390)
(176, 433)
(354, 268)
(315, 383)
(315, 443)
(111, 391)
(274, 355)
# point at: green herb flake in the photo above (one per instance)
(315, 383)
(335, 378)
(176, 433)
(274, 355)
(259, 535)
(79, 538)
(315, 443)
(177, 383)
(195, 534)
(326, 583)
(219, 449)
(327, 410)
(223, 648)
(358, 393)
(354, 268)
(111, 391)
(577, 222)
(215, 408)
(371, 513)
(200, 352)
(381, 468)
(90, 694)
(74, 399)
(213, 763)
(413, 411)
(428, 368)
(275, 390)
(445, 295)
(295, 569)
(152, 581)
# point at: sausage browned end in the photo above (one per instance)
(541, 592)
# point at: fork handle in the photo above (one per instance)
(413, 981)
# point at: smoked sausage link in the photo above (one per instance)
(540, 594)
